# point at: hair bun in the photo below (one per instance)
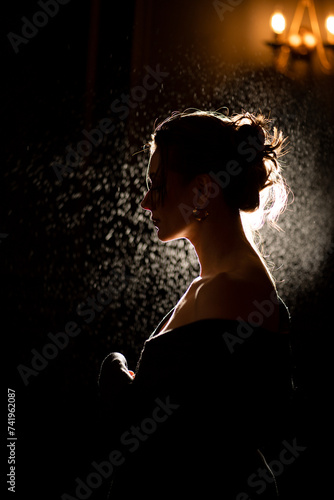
(250, 153)
(251, 136)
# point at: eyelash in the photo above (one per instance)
(150, 186)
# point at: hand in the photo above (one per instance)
(114, 374)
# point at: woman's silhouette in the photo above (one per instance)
(206, 407)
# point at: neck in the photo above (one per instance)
(219, 247)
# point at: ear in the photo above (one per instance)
(205, 188)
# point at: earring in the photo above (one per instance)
(200, 214)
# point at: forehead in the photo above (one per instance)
(154, 163)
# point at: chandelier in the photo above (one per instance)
(300, 41)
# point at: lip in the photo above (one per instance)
(155, 221)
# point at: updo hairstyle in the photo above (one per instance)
(238, 149)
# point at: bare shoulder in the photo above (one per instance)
(229, 296)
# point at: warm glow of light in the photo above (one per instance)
(330, 24)
(309, 40)
(295, 40)
(278, 23)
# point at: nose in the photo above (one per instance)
(145, 203)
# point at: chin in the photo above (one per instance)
(163, 237)
(168, 237)
(164, 234)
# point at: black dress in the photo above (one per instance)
(204, 415)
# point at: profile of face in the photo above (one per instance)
(166, 212)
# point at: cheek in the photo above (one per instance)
(179, 208)
(172, 200)
(179, 192)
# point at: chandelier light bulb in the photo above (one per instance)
(278, 23)
(330, 24)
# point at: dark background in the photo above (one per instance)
(64, 242)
